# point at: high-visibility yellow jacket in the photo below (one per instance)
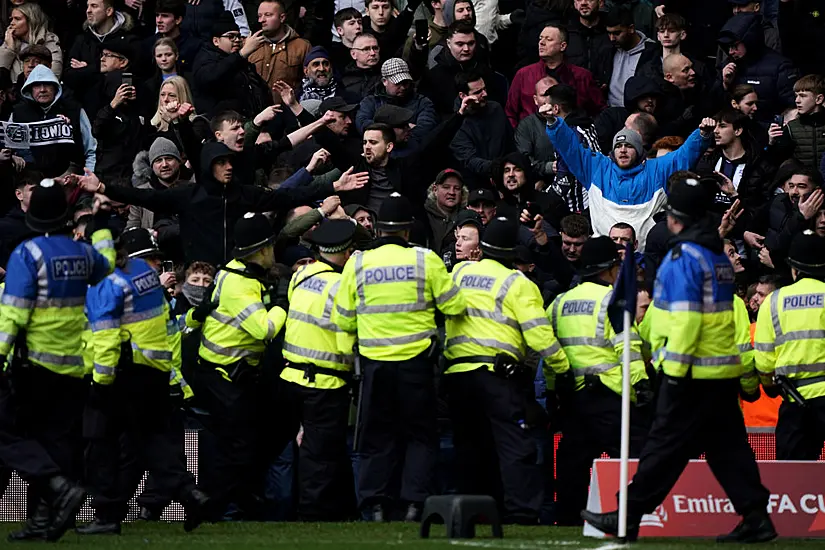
(311, 337)
(46, 282)
(693, 327)
(790, 336)
(129, 306)
(388, 297)
(504, 315)
(240, 326)
(749, 380)
(580, 321)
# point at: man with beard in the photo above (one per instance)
(362, 76)
(399, 90)
(641, 95)
(103, 25)
(224, 78)
(631, 49)
(318, 82)
(442, 206)
(485, 134)
(279, 50)
(588, 45)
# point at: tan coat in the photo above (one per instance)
(9, 58)
(282, 61)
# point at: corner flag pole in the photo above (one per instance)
(625, 444)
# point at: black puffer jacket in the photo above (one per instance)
(356, 84)
(118, 132)
(227, 81)
(208, 210)
(771, 74)
(438, 83)
(590, 47)
(611, 120)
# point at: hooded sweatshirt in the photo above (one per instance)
(54, 145)
(624, 66)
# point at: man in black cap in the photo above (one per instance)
(400, 120)
(593, 413)
(692, 330)
(319, 378)
(515, 182)
(796, 310)
(387, 297)
(40, 418)
(483, 201)
(223, 78)
(486, 379)
(234, 337)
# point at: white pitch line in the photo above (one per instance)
(514, 545)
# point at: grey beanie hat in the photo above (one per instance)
(163, 147)
(632, 138)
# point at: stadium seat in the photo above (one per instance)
(459, 514)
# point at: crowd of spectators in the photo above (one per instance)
(194, 113)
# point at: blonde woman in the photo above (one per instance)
(28, 26)
(174, 92)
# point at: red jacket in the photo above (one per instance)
(520, 98)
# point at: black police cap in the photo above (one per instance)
(807, 253)
(333, 236)
(395, 213)
(598, 254)
(252, 233)
(500, 239)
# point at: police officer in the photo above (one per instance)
(693, 344)
(228, 379)
(41, 315)
(789, 343)
(388, 296)
(487, 382)
(319, 378)
(129, 410)
(592, 414)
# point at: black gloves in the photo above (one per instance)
(207, 306)
(644, 393)
(750, 397)
(565, 383)
(517, 17)
(772, 391)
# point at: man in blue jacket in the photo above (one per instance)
(624, 187)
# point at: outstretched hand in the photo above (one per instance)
(349, 181)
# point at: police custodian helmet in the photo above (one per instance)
(48, 209)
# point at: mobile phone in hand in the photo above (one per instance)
(422, 31)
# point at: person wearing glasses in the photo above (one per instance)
(224, 78)
(362, 76)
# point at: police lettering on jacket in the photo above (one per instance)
(389, 274)
(803, 301)
(69, 267)
(313, 284)
(477, 282)
(146, 282)
(578, 307)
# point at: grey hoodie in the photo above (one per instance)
(624, 66)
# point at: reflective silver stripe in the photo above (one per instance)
(270, 329)
(333, 291)
(718, 361)
(73, 301)
(395, 340)
(318, 355)
(238, 319)
(421, 274)
(183, 383)
(359, 280)
(462, 267)
(344, 312)
(154, 354)
(800, 335)
(106, 324)
(484, 314)
(128, 302)
(503, 290)
(104, 370)
(635, 356)
(319, 322)
(171, 327)
(487, 343)
(45, 357)
(619, 338)
(777, 326)
(679, 357)
(707, 280)
(104, 244)
(697, 306)
(449, 295)
(550, 350)
(42, 276)
(796, 369)
(130, 318)
(584, 341)
(235, 353)
(14, 301)
(533, 323)
(595, 369)
(396, 308)
(6, 338)
(749, 374)
(219, 285)
(759, 346)
(555, 312)
(744, 348)
(602, 318)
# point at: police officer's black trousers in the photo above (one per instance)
(800, 431)
(40, 424)
(591, 425)
(248, 432)
(691, 417)
(398, 438)
(138, 433)
(326, 490)
(495, 455)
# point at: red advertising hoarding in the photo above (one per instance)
(698, 507)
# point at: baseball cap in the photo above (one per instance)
(396, 70)
(393, 115)
(468, 217)
(337, 104)
(481, 195)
